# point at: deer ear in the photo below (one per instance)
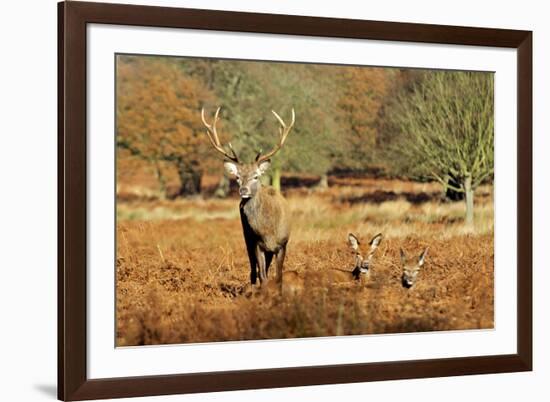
(403, 256)
(353, 241)
(422, 257)
(231, 168)
(375, 241)
(263, 166)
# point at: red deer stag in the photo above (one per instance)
(264, 211)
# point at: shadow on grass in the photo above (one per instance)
(380, 196)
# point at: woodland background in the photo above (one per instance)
(417, 124)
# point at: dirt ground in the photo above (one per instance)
(183, 274)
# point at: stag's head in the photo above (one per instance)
(411, 267)
(247, 174)
(362, 261)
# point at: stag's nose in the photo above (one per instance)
(244, 192)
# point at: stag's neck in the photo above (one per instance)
(248, 204)
(264, 201)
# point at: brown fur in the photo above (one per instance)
(266, 227)
(264, 212)
(267, 214)
(265, 219)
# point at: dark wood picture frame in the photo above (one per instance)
(73, 383)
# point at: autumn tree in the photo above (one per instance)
(158, 117)
(361, 97)
(446, 130)
(315, 138)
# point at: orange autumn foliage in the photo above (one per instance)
(158, 114)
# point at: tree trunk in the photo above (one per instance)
(190, 179)
(450, 192)
(469, 198)
(161, 180)
(276, 178)
(223, 187)
(323, 181)
(196, 181)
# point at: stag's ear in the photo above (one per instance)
(231, 168)
(263, 166)
(375, 241)
(353, 241)
(422, 257)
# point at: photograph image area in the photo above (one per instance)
(270, 200)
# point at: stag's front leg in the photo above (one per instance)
(260, 258)
(253, 263)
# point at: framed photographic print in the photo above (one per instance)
(253, 200)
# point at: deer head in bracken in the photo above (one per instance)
(411, 267)
(362, 261)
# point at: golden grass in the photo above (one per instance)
(182, 269)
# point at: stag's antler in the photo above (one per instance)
(283, 133)
(215, 140)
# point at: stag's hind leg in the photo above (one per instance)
(268, 258)
(280, 259)
(260, 257)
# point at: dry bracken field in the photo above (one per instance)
(183, 274)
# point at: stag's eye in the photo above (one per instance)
(255, 177)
